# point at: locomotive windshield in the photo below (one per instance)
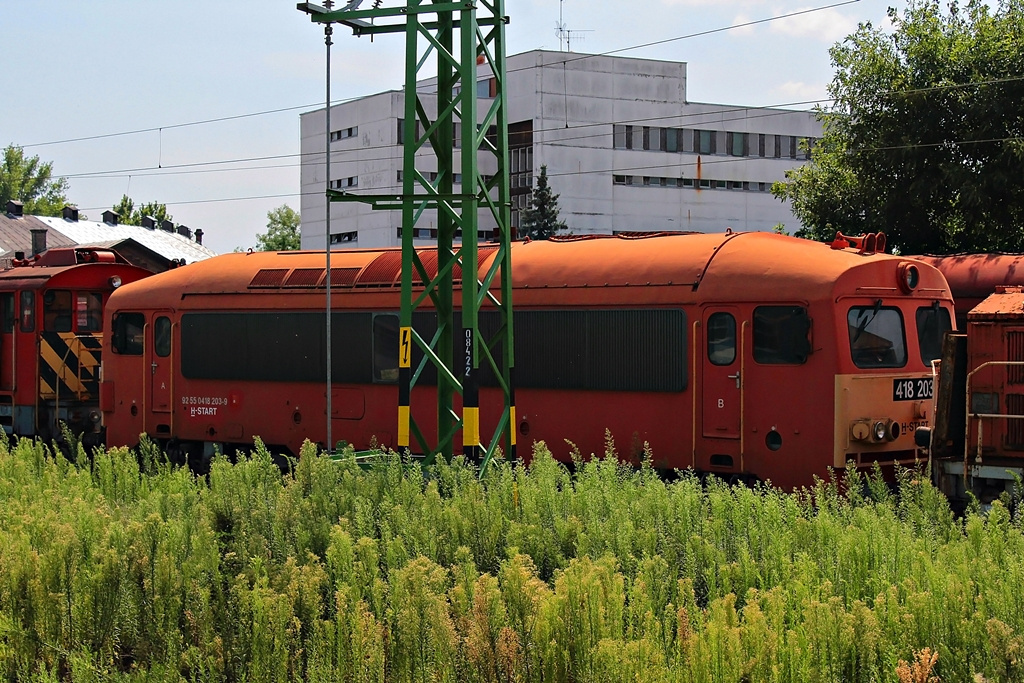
(932, 325)
(877, 339)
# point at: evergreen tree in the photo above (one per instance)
(540, 218)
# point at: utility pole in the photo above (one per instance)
(461, 36)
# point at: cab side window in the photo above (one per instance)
(385, 348)
(933, 323)
(89, 312)
(127, 338)
(781, 335)
(27, 314)
(57, 314)
(7, 312)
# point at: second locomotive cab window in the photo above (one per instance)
(7, 312)
(27, 314)
(781, 335)
(127, 336)
(932, 325)
(89, 310)
(877, 339)
(57, 313)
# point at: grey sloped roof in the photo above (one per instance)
(16, 235)
(168, 244)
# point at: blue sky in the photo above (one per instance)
(76, 69)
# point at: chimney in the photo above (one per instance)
(199, 235)
(167, 225)
(38, 241)
(110, 217)
(15, 209)
(149, 222)
(184, 231)
(70, 213)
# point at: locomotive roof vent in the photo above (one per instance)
(184, 231)
(149, 222)
(199, 235)
(15, 209)
(70, 212)
(110, 217)
(167, 225)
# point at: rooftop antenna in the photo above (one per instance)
(564, 34)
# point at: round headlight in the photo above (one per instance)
(912, 277)
(909, 277)
(879, 431)
(115, 281)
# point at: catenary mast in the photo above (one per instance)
(474, 331)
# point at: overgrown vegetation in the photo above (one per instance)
(114, 571)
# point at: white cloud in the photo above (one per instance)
(741, 31)
(827, 26)
(798, 91)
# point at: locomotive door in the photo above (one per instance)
(722, 376)
(7, 319)
(160, 362)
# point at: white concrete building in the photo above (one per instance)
(625, 151)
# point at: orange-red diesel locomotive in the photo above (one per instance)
(748, 355)
(51, 336)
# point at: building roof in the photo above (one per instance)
(170, 245)
(16, 235)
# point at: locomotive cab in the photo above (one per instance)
(51, 336)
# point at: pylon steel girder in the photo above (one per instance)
(457, 354)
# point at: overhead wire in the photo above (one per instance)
(771, 110)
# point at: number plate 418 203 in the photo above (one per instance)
(913, 389)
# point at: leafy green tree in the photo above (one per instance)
(540, 218)
(925, 137)
(31, 182)
(282, 230)
(129, 214)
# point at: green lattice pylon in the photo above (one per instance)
(462, 36)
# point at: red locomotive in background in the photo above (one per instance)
(748, 355)
(51, 339)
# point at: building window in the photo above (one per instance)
(401, 131)
(342, 183)
(672, 139)
(778, 146)
(760, 144)
(619, 180)
(619, 136)
(737, 143)
(344, 237)
(344, 133)
(705, 184)
(704, 141)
